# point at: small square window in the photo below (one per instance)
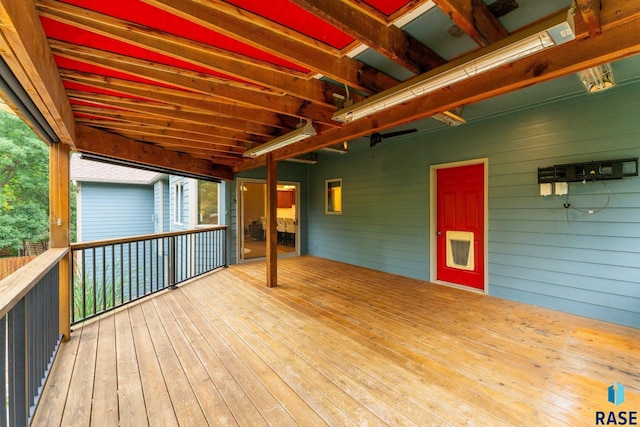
(333, 200)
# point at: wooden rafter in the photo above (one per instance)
(164, 134)
(226, 91)
(216, 59)
(590, 11)
(186, 100)
(169, 111)
(261, 33)
(474, 18)
(94, 141)
(390, 41)
(118, 120)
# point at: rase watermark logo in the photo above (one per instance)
(615, 395)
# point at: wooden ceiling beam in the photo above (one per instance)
(619, 40)
(98, 142)
(188, 147)
(216, 142)
(169, 111)
(24, 48)
(174, 140)
(260, 33)
(105, 118)
(390, 41)
(224, 90)
(177, 97)
(590, 11)
(475, 19)
(250, 70)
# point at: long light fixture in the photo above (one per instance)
(450, 118)
(292, 137)
(431, 81)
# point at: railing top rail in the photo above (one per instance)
(14, 287)
(99, 243)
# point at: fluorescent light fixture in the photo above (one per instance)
(310, 159)
(597, 79)
(431, 81)
(292, 137)
(450, 118)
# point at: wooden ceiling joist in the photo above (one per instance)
(110, 119)
(215, 59)
(475, 19)
(225, 91)
(174, 97)
(258, 32)
(195, 138)
(390, 41)
(168, 112)
(590, 11)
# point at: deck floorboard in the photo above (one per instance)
(336, 345)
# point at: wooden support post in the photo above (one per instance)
(59, 225)
(272, 221)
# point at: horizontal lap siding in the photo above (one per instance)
(116, 210)
(385, 210)
(539, 252)
(569, 259)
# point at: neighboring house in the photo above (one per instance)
(116, 201)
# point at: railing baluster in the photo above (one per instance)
(147, 265)
(113, 275)
(3, 370)
(121, 273)
(17, 366)
(144, 267)
(84, 284)
(129, 264)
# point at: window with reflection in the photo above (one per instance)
(333, 196)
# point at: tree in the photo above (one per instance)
(24, 184)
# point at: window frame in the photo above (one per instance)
(196, 208)
(178, 202)
(327, 194)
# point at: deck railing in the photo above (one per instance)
(110, 273)
(29, 334)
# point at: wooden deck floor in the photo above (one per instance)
(337, 345)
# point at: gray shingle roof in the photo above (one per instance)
(84, 170)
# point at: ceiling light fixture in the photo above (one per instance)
(292, 137)
(597, 79)
(433, 80)
(450, 118)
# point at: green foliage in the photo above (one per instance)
(24, 184)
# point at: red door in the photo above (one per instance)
(460, 225)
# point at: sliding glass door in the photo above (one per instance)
(252, 208)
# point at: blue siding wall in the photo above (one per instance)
(116, 210)
(539, 252)
(161, 205)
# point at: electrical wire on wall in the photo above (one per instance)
(568, 206)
